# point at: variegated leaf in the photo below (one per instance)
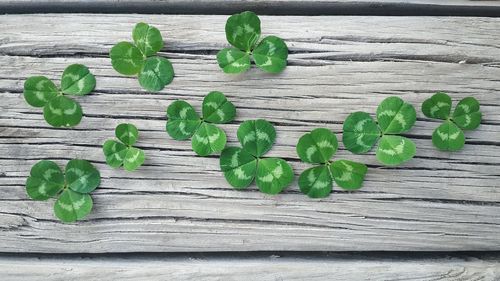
(72, 206)
(45, 181)
(156, 73)
(318, 146)
(239, 167)
(348, 175)
(438, 106)
(394, 150)
(243, 30)
(114, 152)
(217, 109)
(39, 90)
(77, 80)
(256, 136)
(81, 176)
(208, 139)
(126, 58)
(133, 159)
(232, 60)
(127, 133)
(62, 112)
(467, 115)
(360, 132)
(271, 54)
(448, 137)
(147, 38)
(182, 120)
(316, 182)
(395, 116)
(273, 175)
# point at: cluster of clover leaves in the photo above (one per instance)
(240, 165)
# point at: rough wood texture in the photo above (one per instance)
(179, 202)
(342, 267)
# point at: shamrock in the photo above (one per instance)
(394, 116)
(154, 72)
(183, 122)
(317, 147)
(243, 32)
(71, 189)
(449, 135)
(242, 165)
(121, 152)
(59, 110)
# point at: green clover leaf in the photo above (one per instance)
(318, 147)
(394, 116)
(154, 72)
(59, 110)
(242, 165)
(449, 135)
(72, 188)
(123, 152)
(183, 123)
(243, 33)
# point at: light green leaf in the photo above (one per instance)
(348, 174)
(39, 90)
(438, 106)
(62, 112)
(134, 158)
(72, 206)
(182, 120)
(81, 176)
(217, 109)
(127, 133)
(394, 150)
(467, 115)
(208, 139)
(156, 73)
(232, 60)
(77, 80)
(126, 58)
(147, 38)
(360, 132)
(395, 116)
(318, 146)
(271, 54)
(256, 136)
(45, 181)
(273, 175)
(316, 182)
(114, 152)
(243, 30)
(448, 137)
(239, 167)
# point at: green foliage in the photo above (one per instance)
(154, 72)
(394, 116)
(122, 152)
(183, 123)
(242, 165)
(71, 189)
(243, 33)
(58, 109)
(449, 135)
(318, 147)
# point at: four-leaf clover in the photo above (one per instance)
(242, 165)
(183, 122)
(72, 188)
(154, 72)
(394, 116)
(59, 110)
(449, 135)
(317, 147)
(243, 32)
(123, 152)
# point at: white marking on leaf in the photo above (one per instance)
(55, 111)
(400, 119)
(311, 177)
(361, 123)
(398, 149)
(310, 151)
(214, 137)
(320, 184)
(249, 137)
(134, 157)
(234, 160)
(48, 173)
(42, 189)
(263, 136)
(387, 112)
(71, 111)
(201, 139)
(276, 173)
(240, 174)
(465, 107)
(467, 120)
(183, 112)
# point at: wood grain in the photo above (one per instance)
(338, 267)
(178, 202)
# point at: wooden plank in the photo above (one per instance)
(267, 7)
(343, 267)
(178, 202)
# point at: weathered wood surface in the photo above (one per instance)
(180, 202)
(341, 267)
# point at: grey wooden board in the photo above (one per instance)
(273, 268)
(178, 202)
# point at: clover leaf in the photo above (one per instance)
(449, 135)
(394, 116)
(242, 165)
(317, 147)
(243, 33)
(122, 152)
(139, 59)
(59, 110)
(183, 123)
(71, 188)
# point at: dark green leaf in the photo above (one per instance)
(45, 181)
(273, 175)
(438, 106)
(239, 167)
(72, 206)
(256, 136)
(348, 174)
(77, 80)
(243, 30)
(271, 54)
(208, 139)
(467, 115)
(318, 146)
(62, 112)
(134, 158)
(394, 150)
(360, 132)
(82, 176)
(217, 109)
(448, 137)
(126, 58)
(395, 116)
(147, 38)
(156, 73)
(232, 60)
(316, 182)
(114, 152)
(127, 133)
(182, 120)
(39, 90)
